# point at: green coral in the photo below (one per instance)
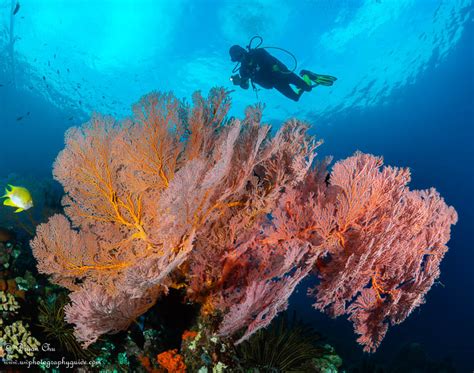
(123, 359)
(27, 282)
(330, 362)
(207, 352)
(15, 338)
(193, 345)
(16, 341)
(8, 304)
(219, 367)
(5, 250)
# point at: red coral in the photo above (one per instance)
(188, 334)
(172, 361)
(387, 243)
(375, 245)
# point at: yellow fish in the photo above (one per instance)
(18, 197)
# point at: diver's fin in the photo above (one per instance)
(319, 79)
(9, 202)
(19, 209)
(325, 80)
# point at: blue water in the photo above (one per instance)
(405, 91)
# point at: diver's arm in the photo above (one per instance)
(238, 80)
(244, 73)
(242, 78)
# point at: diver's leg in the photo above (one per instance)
(298, 82)
(287, 91)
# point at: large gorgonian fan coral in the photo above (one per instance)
(382, 243)
(139, 191)
(178, 195)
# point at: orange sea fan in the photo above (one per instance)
(140, 192)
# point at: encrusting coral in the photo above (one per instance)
(171, 361)
(180, 196)
(15, 338)
(16, 341)
(8, 304)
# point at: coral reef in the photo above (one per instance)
(328, 362)
(15, 338)
(16, 341)
(22, 294)
(206, 352)
(8, 304)
(171, 361)
(55, 329)
(9, 254)
(180, 197)
(287, 346)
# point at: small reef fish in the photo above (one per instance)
(21, 117)
(18, 197)
(17, 8)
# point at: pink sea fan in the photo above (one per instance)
(391, 241)
(375, 245)
(94, 312)
(145, 194)
(262, 301)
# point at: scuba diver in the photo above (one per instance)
(260, 67)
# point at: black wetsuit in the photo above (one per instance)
(265, 70)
